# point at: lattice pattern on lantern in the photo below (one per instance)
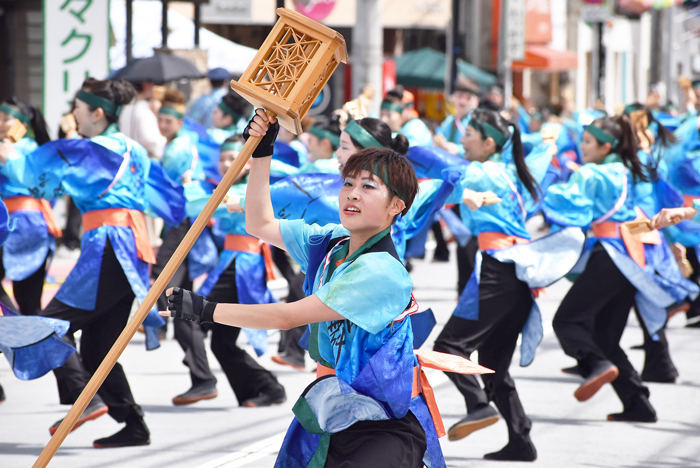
(286, 63)
(292, 67)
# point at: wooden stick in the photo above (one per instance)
(491, 200)
(16, 131)
(156, 290)
(639, 227)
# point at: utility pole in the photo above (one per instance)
(129, 31)
(367, 48)
(454, 48)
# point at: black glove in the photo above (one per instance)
(186, 305)
(267, 144)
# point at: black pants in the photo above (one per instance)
(289, 339)
(27, 292)
(246, 376)
(189, 335)
(658, 364)
(71, 234)
(692, 256)
(441, 251)
(592, 317)
(100, 329)
(394, 443)
(504, 306)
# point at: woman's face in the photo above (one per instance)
(169, 125)
(367, 205)
(464, 102)
(219, 119)
(6, 122)
(392, 118)
(88, 121)
(476, 148)
(226, 159)
(591, 149)
(345, 150)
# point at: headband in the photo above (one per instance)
(16, 113)
(231, 146)
(362, 136)
(631, 108)
(388, 105)
(602, 136)
(326, 134)
(385, 179)
(489, 130)
(227, 110)
(171, 111)
(96, 101)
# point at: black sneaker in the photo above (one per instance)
(199, 391)
(286, 359)
(273, 396)
(640, 410)
(94, 410)
(575, 370)
(522, 451)
(134, 434)
(2, 394)
(603, 372)
(475, 420)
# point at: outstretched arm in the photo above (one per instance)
(260, 218)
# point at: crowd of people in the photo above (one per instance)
(339, 212)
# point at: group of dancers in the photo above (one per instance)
(350, 202)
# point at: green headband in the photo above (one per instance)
(388, 105)
(227, 110)
(321, 133)
(231, 146)
(362, 136)
(385, 179)
(96, 101)
(489, 130)
(629, 109)
(602, 136)
(170, 111)
(16, 113)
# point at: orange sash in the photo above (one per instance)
(126, 218)
(243, 243)
(32, 204)
(689, 200)
(500, 241)
(633, 244)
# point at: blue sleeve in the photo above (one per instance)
(371, 292)
(696, 205)
(572, 203)
(296, 234)
(417, 133)
(178, 158)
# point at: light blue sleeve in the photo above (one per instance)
(696, 205)
(417, 133)
(474, 177)
(371, 292)
(178, 158)
(572, 203)
(281, 169)
(295, 235)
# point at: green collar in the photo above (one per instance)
(495, 157)
(611, 158)
(110, 130)
(342, 252)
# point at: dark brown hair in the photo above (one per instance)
(118, 91)
(627, 147)
(392, 169)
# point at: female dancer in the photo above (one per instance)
(33, 240)
(591, 318)
(113, 266)
(491, 324)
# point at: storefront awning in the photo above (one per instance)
(543, 58)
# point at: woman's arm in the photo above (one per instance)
(670, 216)
(260, 218)
(282, 316)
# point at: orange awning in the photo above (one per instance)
(543, 58)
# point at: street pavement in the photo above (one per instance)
(218, 434)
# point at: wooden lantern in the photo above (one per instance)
(287, 75)
(291, 68)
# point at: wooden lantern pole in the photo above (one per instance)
(286, 76)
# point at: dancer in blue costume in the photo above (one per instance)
(181, 163)
(239, 277)
(370, 412)
(465, 98)
(497, 304)
(33, 239)
(590, 321)
(398, 112)
(324, 139)
(113, 266)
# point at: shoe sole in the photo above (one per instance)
(590, 388)
(253, 405)
(463, 430)
(281, 361)
(177, 401)
(649, 421)
(90, 417)
(96, 445)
